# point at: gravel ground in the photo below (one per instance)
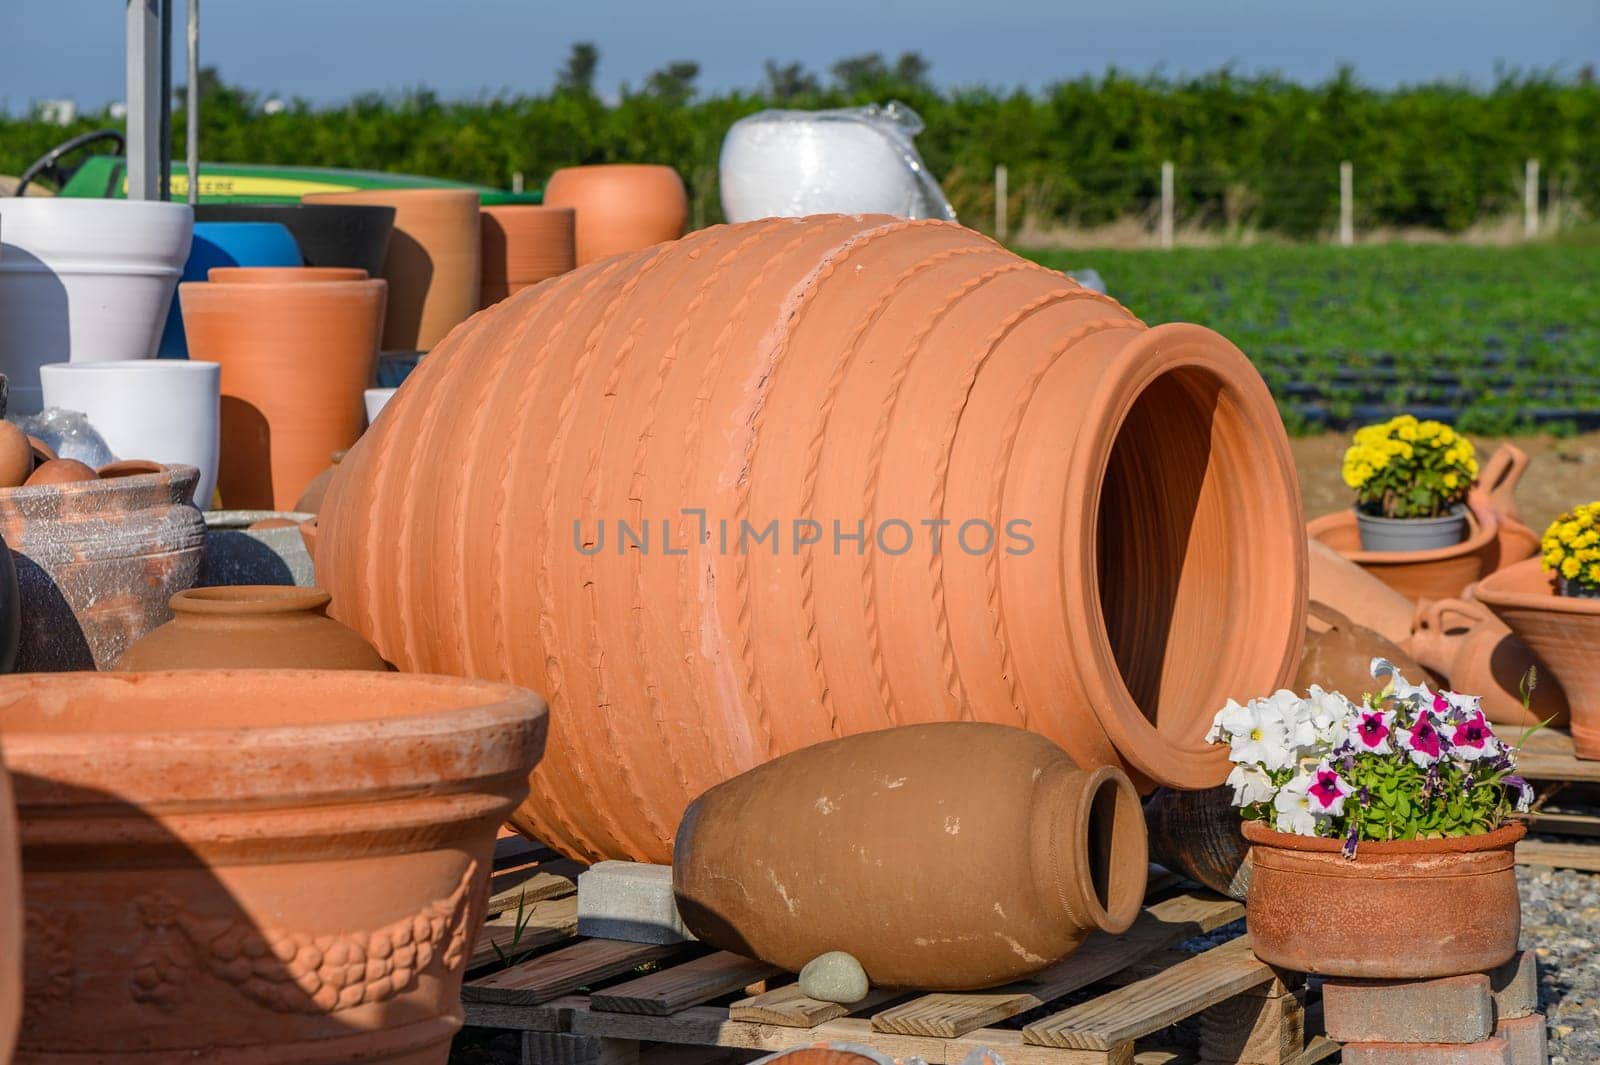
(1561, 923)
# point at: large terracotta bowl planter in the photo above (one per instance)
(262, 866)
(838, 369)
(97, 561)
(1440, 573)
(620, 206)
(295, 358)
(433, 261)
(1407, 910)
(523, 245)
(1562, 631)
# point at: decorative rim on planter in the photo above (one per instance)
(1379, 533)
(1256, 832)
(266, 275)
(234, 600)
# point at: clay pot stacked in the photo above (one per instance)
(523, 245)
(256, 865)
(297, 348)
(251, 627)
(620, 207)
(433, 262)
(879, 374)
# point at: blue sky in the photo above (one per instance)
(327, 50)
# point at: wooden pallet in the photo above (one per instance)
(1547, 758)
(584, 1001)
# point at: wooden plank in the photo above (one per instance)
(689, 984)
(1320, 1048)
(792, 1008)
(526, 885)
(544, 925)
(1260, 1029)
(585, 962)
(1548, 755)
(1562, 824)
(1150, 1005)
(1159, 926)
(711, 1026)
(552, 1016)
(1583, 856)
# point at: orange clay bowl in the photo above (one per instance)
(1442, 573)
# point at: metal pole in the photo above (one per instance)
(1347, 203)
(166, 99)
(191, 138)
(1167, 208)
(1001, 203)
(144, 98)
(1530, 199)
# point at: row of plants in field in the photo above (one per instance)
(1495, 339)
(1251, 151)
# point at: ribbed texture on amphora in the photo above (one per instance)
(1121, 547)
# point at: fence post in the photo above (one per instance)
(1347, 203)
(1001, 202)
(516, 181)
(1530, 199)
(1166, 204)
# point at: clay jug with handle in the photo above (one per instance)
(1498, 481)
(1464, 641)
(1339, 653)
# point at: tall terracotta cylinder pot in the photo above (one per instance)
(295, 358)
(620, 206)
(433, 263)
(947, 856)
(1121, 549)
(256, 866)
(523, 245)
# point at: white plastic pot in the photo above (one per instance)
(376, 398)
(165, 410)
(84, 281)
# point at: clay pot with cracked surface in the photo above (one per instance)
(1562, 631)
(620, 207)
(256, 865)
(1464, 641)
(821, 849)
(295, 358)
(522, 245)
(1338, 654)
(1440, 573)
(433, 263)
(1312, 910)
(1357, 594)
(97, 561)
(858, 373)
(244, 626)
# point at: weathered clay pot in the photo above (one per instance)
(1562, 631)
(267, 275)
(1196, 833)
(97, 561)
(1464, 641)
(821, 849)
(240, 549)
(1381, 915)
(261, 626)
(839, 369)
(295, 359)
(256, 866)
(1338, 654)
(10, 919)
(433, 261)
(620, 206)
(1438, 574)
(1357, 594)
(523, 245)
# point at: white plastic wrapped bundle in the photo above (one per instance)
(856, 160)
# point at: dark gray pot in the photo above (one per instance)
(1574, 590)
(237, 554)
(1412, 534)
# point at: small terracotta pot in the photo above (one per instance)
(10, 919)
(433, 261)
(821, 849)
(267, 275)
(96, 562)
(1407, 910)
(1348, 588)
(59, 471)
(256, 865)
(1438, 574)
(523, 245)
(1562, 631)
(1464, 641)
(620, 206)
(1338, 654)
(261, 626)
(295, 360)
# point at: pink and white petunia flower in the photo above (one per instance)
(1422, 741)
(1474, 739)
(1328, 791)
(1371, 730)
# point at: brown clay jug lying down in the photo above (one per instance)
(1339, 653)
(1465, 642)
(947, 856)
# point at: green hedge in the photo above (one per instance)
(1258, 152)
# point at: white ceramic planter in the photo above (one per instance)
(376, 398)
(160, 409)
(84, 281)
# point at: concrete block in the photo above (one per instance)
(1526, 1036)
(1515, 986)
(630, 901)
(1455, 1009)
(1489, 1052)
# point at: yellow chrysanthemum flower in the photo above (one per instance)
(1570, 568)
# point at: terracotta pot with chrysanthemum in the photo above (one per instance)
(1411, 480)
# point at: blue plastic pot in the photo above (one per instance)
(226, 244)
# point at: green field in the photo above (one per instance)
(1498, 339)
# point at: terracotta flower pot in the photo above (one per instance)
(328, 234)
(1562, 631)
(433, 261)
(1357, 594)
(620, 206)
(1441, 573)
(266, 275)
(1407, 910)
(837, 369)
(295, 359)
(1465, 642)
(821, 849)
(260, 626)
(1338, 654)
(256, 865)
(10, 919)
(96, 562)
(523, 245)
